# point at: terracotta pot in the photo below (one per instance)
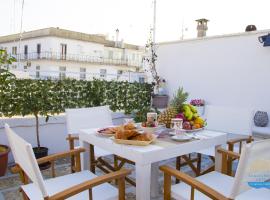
(4, 160)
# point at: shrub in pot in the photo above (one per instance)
(5, 60)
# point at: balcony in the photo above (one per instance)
(55, 56)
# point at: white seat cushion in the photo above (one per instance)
(58, 184)
(261, 130)
(98, 152)
(261, 194)
(219, 182)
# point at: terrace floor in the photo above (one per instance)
(9, 184)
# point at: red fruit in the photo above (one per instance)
(187, 126)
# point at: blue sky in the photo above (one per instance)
(134, 17)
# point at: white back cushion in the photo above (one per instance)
(253, 166)
(24, 156)
(84, 118)
(229, 119)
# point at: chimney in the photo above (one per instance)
(202, 27)
(116, 37)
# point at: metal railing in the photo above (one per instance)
(48, 55)
(57, 75)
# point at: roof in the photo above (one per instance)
(243, 34)
(67, 34)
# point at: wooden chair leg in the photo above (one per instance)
(199, 164)
(115, 164)
(178, 167)
(121, 188)
(71, 147)
(90, 194)
(92, 159)
(167, 186)
(230, 161)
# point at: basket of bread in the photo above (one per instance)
(128, 134)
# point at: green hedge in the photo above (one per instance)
(47, 97)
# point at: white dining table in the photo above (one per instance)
(147, 158)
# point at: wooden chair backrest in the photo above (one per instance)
(253, 166)
(24, 156)
(86, 118)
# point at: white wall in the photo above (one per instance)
(233, 70)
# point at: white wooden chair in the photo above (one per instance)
(81, 185)
(254, 161)
(85, 118)
(93, 117)
(236, 122)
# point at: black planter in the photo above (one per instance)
(39, 153)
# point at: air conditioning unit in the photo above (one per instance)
(265, 39)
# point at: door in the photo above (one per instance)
(63, 52)
(38, 50)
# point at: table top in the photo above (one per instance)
(163, 148)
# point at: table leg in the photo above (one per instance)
(218, 159)
(85, 161)
(143, 181)
(154, 180)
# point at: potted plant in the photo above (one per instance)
(199, 104)
(159, 97)
(38, 100)
(5, 60)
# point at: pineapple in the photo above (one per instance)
(166, 116)
(174, 108)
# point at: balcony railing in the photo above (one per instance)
(47, 55)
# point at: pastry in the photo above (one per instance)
(129, 126)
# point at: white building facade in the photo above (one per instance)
(54, 53)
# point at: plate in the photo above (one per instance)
(181, 138)
(151, 129)
(193, 130)
(134, 142)
(98, 132)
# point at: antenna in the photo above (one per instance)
(19, 61)
(154, 22)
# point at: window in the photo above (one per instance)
(37, 71)
(82, 73)
(141, 79)
(25, 51)
(25, 67)
(62, 73)
(133, 56)
(119, 73)
(103, 73)
(38, 50)
(14, 50)
(14, 66)
(63, 51)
